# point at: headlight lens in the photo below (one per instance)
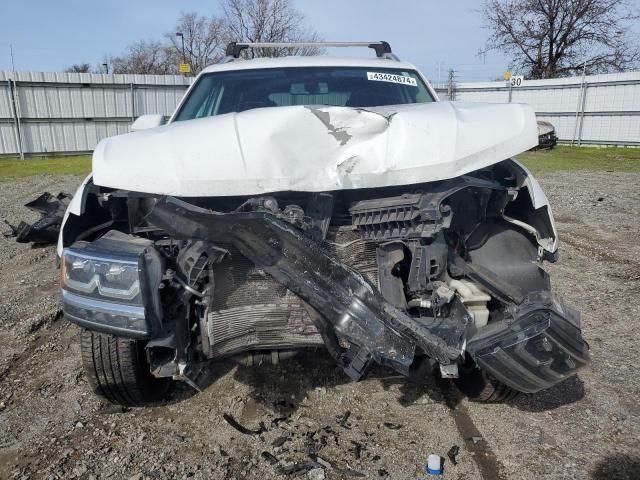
(101, 277)
(112, 285)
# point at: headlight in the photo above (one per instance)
(111, 285)
(101, 277)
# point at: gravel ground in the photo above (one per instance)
(51, 425)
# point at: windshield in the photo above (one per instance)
(240, 90)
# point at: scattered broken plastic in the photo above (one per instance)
(434, 465)
(453, 454)
(46, 229)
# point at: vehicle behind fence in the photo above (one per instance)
(589, 110)
(65, 113)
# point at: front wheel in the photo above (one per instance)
(479, 386)
(118, 370)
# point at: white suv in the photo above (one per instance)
(301, 202)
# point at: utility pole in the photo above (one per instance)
(451, 87)
(181, 35)
(184, 56)
(13, 66)
(13, 92)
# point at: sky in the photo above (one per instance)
(435, 35)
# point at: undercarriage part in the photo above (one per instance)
(391, 285)
(354, 308)
(262, 357)
(428, 262)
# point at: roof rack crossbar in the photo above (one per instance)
(382, 49)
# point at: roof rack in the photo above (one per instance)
(382, 49)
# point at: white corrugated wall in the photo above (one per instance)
(72, 112)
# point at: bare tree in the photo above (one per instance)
(556, 38)
(206, 37)
(144, 57)
(268, 21)
(204, 40)
(78, 68)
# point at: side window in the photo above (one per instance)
(210, 104)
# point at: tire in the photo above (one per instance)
(481, 387)
(118, 371)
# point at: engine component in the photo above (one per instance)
(406, 216)
(340, 294)
(413, 215)
(474, 300)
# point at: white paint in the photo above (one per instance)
(146, 122)
(75, 207)
(314, 149)
(538, 199)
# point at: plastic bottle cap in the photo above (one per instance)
(434, 465)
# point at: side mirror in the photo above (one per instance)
(147, 121)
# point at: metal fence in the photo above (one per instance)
(594, 109)
(60, 113)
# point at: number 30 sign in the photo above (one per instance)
(517, 80)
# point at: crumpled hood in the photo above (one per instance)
(314, 149)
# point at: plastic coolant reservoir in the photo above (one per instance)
(474, 299)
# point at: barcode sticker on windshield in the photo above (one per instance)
(390, 77)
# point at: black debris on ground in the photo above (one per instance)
(45, 230)
(453, 454)
(342, 419)
(235, 424)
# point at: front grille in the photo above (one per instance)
(406, 216)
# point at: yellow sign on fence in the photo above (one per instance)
(185, 68)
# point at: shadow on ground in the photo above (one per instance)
(281, 388)
(618, 467)
(567, 392)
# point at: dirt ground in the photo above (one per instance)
(52, 426)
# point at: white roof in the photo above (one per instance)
(308, 61)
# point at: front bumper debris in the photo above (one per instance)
(540, 348)
(541, 345)
(344, 302)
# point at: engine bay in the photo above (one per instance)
(449, 271)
